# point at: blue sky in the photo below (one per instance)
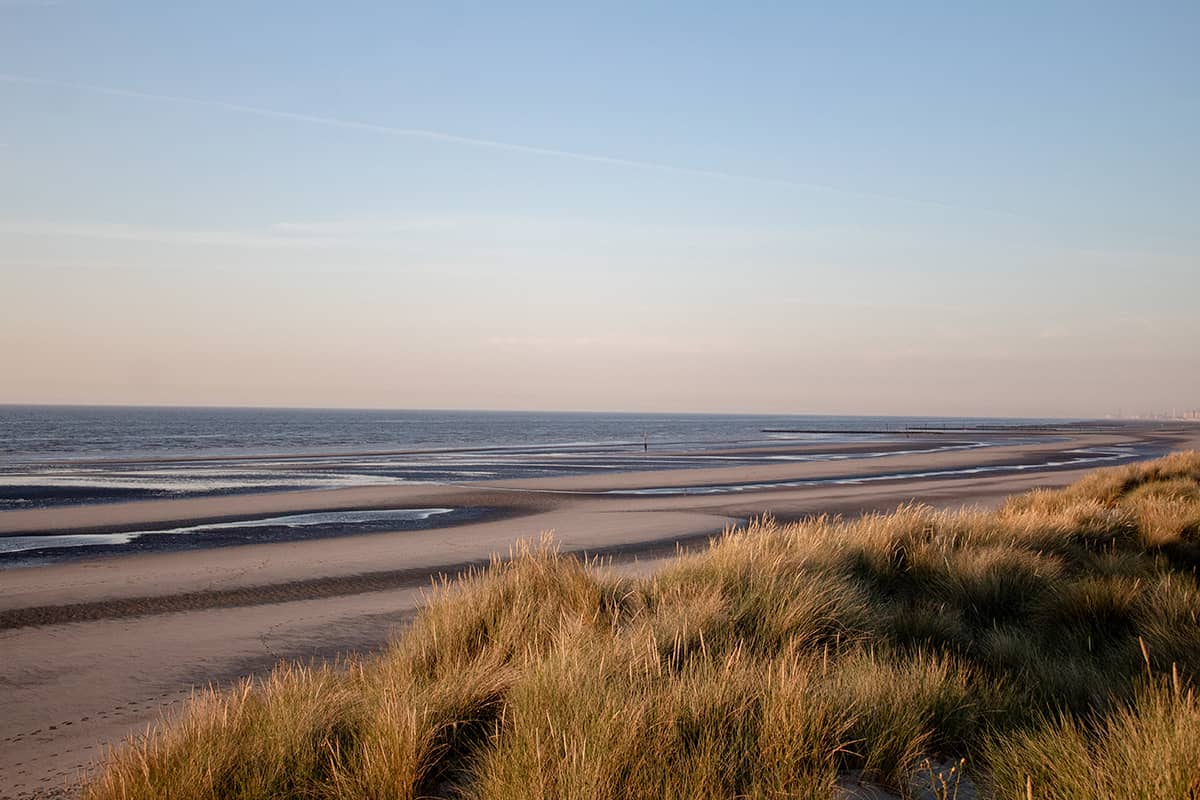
(650, 206)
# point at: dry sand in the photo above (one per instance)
(92, 651)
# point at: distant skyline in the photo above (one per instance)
(875, 209)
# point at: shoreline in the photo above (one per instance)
(122, 516)
(236, 531)
(32, 496)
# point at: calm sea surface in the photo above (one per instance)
(55, 455)
(56, 433)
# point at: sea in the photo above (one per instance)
(60, 455)
(72, 455)
(31, 433)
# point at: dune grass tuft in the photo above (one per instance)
(1049, 649)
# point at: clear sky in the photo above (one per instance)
(942, 208)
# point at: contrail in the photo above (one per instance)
(441, 136)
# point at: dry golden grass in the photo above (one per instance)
(1146, 750)
(1053, 644)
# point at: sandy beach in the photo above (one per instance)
(97, 649)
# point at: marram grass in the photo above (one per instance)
(1050, 649)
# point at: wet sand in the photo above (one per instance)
(95, 650)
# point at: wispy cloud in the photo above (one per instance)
(471, 141)
(143, 233)
(612, 343)
(374, 226)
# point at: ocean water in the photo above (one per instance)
(360, 521)
(70, 455)
(53, 455)
(57, 433)
(56, 455)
